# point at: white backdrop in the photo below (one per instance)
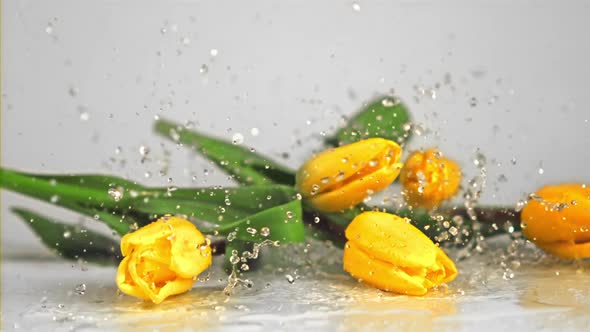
(83, 80)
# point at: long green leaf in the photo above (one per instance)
(384, 117)
(70, 241)
(243, 165)
(283, 223)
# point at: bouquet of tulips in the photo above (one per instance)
(169, 235)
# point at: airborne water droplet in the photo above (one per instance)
(290, 278)
(265, 231)
(80, 289)
(84, 115)
(237, 139)
(204, 69)
(115, 193)
(356, 7)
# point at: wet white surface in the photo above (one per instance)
(543, 294)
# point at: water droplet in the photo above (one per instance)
(479, 160)
(290, 278)
(473, 102)
(84, 115)
(234, 259)
(289, 214)
(67, 234)
(265, 231)
(325, 180)
(251, 230)
(344, 160)
(513, 160)
(116, 193)
(316, 220)
(245, 267)
(373, 162)
(541, 171)
(214, 52)
(388, 102)
(520, 205)
(237, 139)
(356, 7)
(186, 41)
(204, 69)
(231, 236)
(73, 91)
(80, 289)
(54, 199)
(144, 150)
(254, 131)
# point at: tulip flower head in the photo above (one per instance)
(340, 178)
(162, 259)
(386, 251)
(557, 220)
(428, 178)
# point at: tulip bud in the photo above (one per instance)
(386, 251)
(557, 220)
(340, 178)
(428, 178)
(162, 259)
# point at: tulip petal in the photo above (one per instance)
(330, 167)
(379, 273)
(392, 239)
(189, 253)
(448, 266)
(125, 281)
(567, 250)
(552, 217)
(428, 178)
(356, 191)
(146, 235)
(173, 287)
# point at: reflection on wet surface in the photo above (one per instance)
(537, 292)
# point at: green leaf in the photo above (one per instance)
(70, 241)
(384, 117)
(284, 224)
(215, 205)
(94, 181)
(245, 166)
(89, 201)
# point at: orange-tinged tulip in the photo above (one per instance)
(340, 178)
(162, 259)
(386, 251)
(558, 220)
(428, 178)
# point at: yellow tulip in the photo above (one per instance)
(162, 259)
(386, 251)
(428, 178)
(340, 178)
(558, 220)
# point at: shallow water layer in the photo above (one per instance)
(494, 290)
